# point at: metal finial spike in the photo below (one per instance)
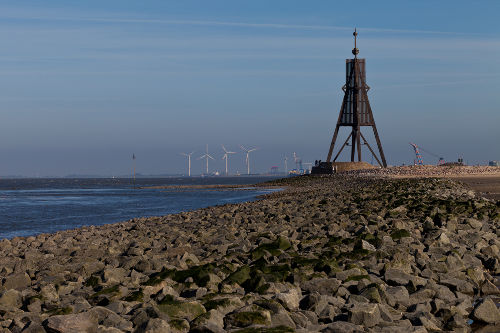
(355, 50)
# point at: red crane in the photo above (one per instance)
(419, 160)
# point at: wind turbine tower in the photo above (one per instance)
(133, 159)
(206, 156)
(248, 151)
(298, 161)
(286, 165)
(189, 161)
(226, 154)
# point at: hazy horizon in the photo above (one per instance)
(86, 85)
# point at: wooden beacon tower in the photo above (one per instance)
(355, 112)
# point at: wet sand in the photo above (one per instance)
(483, 179)
(488, 186)
(199, 187)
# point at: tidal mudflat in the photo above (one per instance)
(342, 253)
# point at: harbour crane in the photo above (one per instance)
(419, 160)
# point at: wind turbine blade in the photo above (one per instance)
(201, 157)
(210, 156)
(224, 148)
(243, 148)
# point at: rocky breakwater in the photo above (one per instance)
(328, 254)
(430, 171)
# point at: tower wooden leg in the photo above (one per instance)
(342, 148)
(379, 144)
(359, 145)
(353, 143)
(332, 144)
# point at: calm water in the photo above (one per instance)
(33, 206)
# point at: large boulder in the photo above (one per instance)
(114, 275)
(155, 325)
(313, 302)
(397, 277)
(460, 285)
(282, 319)
(367, 246)
(474, 223)
(323, 286)
(290, 299)
(301, 320)
(248, 316)
(49, 294)
(17, 281)
(109, 318)
(425, 319)
(11, 299)
(486, 312)
(83, 322)
(33, 327)
(182, 310)
(104, 329)
(343, 327)
(224, 304)
(348, 273)
(488, 288)
(366, 314)
(397, 296)
(372, 294)
(211, 321)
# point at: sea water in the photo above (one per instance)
(32, 206)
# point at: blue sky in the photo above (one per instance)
(83, 85)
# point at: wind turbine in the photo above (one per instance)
(248, 151)
(133, 159)
(206, 156)
(226, 154)
(286, 165)
(189, 161)
(298, 161)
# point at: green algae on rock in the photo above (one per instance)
(176, 309)
(399, 233)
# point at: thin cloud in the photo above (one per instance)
(267, 25)
(432, 84)
(228, 24)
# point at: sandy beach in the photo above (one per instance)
(341, 253)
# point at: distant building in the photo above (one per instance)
(494, 163)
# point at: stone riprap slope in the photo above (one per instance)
(430, 171)
(328, 254)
